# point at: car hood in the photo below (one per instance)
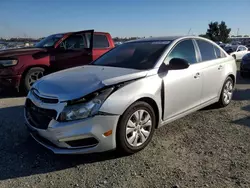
(77, 82)
(20, 51)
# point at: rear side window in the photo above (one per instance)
(184, 50)
(219, 53)
(207, 50)
(100, 41)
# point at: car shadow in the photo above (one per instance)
(10, 93)
(244, 121)
(241, 94)
(21, 156)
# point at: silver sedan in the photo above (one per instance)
(119, 100)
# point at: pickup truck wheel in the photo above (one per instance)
(135, 128)
(32, 76)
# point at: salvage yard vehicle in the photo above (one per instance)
(245, 66)
(119, 100)
(239, 52)
(21, 68)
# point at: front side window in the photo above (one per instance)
(242, 48)
(239, 49)
(207, 50)
(184, 50)
(100, 41)
(134, 55)
(73, 42)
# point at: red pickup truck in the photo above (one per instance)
(20, 68)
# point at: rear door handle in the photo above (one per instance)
(197, 75)
(220, 67)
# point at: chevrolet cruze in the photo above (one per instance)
(119, 100)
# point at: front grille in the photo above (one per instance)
(45, 100)
(39, 117)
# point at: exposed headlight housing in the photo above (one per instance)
(85, 107)
(8, 62)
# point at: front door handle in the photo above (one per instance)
(197, 75)
(220, 67)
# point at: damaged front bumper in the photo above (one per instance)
(87, 135)
(77, 137)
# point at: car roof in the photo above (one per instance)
(95, 32)
(72, 32)
(164, 38)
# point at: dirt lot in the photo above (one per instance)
(209, 148)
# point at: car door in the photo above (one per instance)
(238, 53)
(243, 51)
(212, 66)
(74, 50)
(182, 88)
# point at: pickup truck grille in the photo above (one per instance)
(38, 117)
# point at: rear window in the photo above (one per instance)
(207, 50)
(100, 41)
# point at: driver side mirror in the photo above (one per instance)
(177, 64)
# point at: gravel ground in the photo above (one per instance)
(209, 148)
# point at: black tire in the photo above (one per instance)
(26, 79)
(221, 102)
(121, 138)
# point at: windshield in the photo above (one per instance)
(49, 41)
(134, 55)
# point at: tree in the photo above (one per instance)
(213, 31)
(246, 35)
(218, 32)
(224, 32)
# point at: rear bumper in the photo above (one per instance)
(10, 81)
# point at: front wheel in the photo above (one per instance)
(31, 77)
(226, 92)
(135, 128)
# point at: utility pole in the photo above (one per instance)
(238, 32)
(189, 31)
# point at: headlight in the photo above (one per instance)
(8, 63)
(84, 109)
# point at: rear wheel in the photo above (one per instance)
(135, 128)
(226, 93)
(31, 77)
